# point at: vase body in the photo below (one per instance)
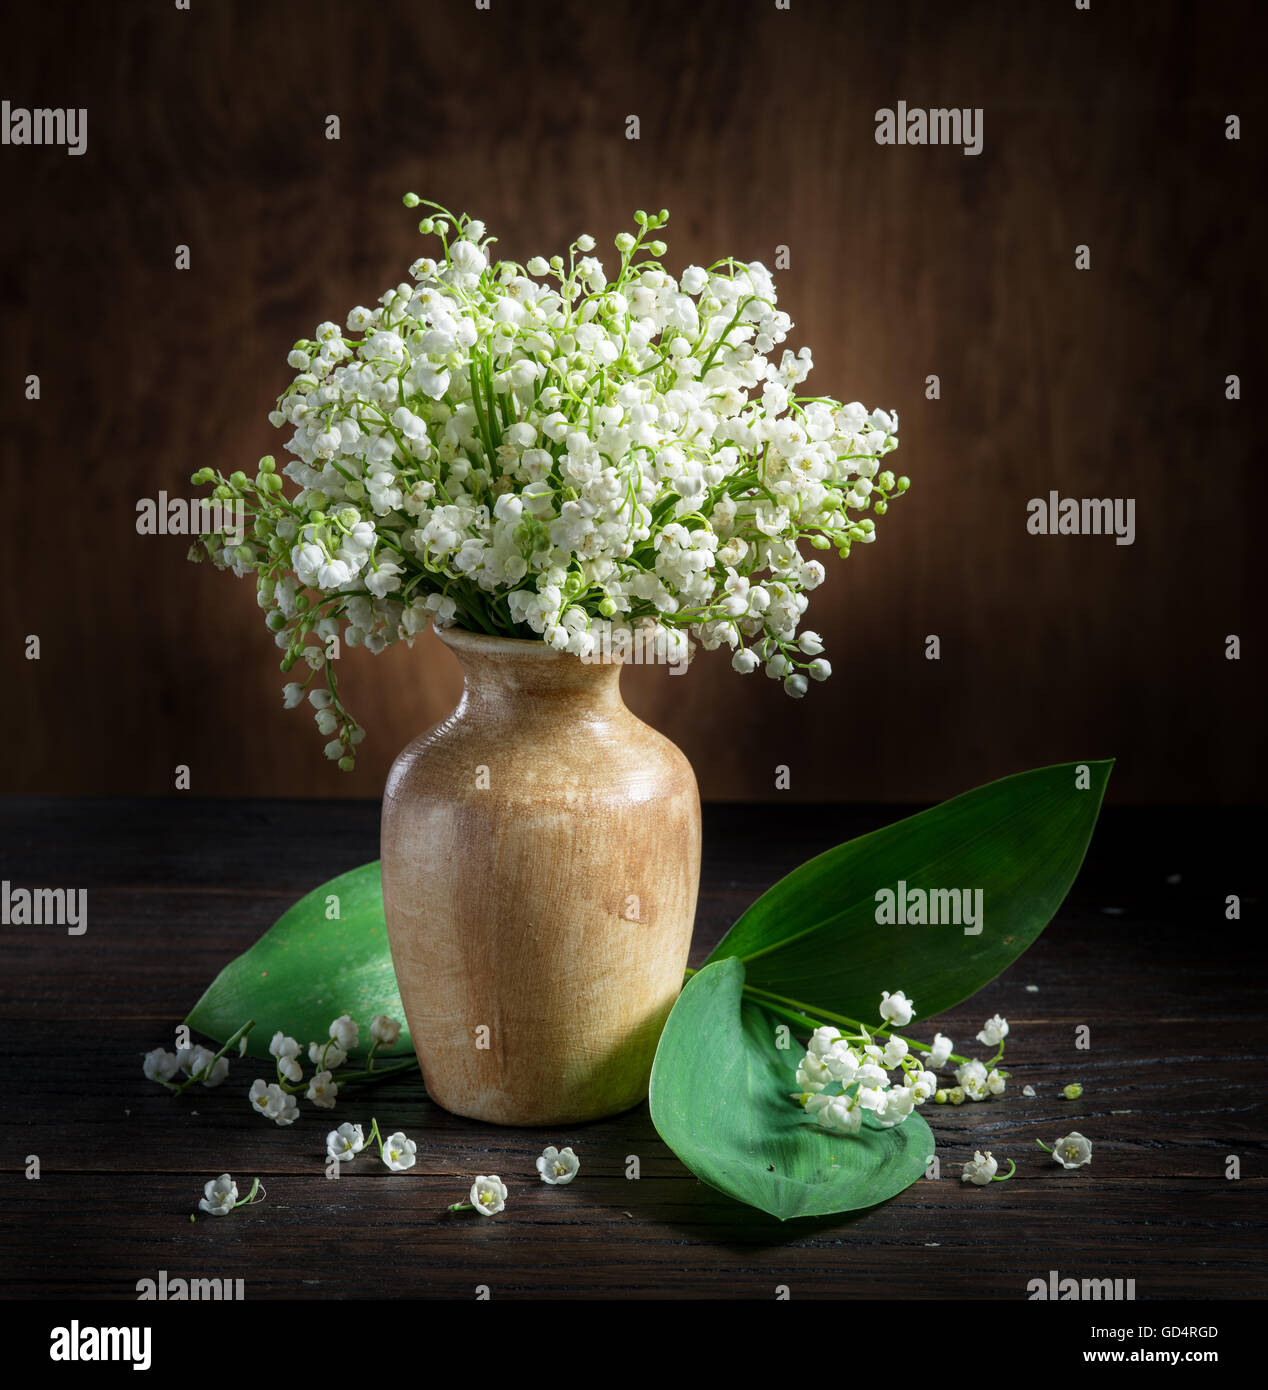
(541, 856)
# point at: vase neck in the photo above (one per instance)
(505, 677)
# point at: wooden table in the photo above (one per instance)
(1141, 952)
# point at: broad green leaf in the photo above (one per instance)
(815, 937)
(720, 1098)
(308, 969)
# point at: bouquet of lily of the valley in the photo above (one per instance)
(546, 451)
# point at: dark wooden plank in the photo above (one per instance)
(1174, 1001)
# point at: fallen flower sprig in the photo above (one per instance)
(198, 1063)
(799, 1012)
(220, 1196)
(276, 1099)
(857, 1062)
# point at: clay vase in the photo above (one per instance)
(541, 855)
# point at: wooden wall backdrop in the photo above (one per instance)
(1104, 127)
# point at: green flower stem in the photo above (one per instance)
(204, 1071)
(251, 1196)
(1043, 1146)
(1012, 1168)
(764, 996)
(369, 1076)
(461, 1206)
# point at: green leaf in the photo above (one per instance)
(721, 1099)
(306, 970)
(814, 936)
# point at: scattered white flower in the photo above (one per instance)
(940, 1051)
(558, 1166)
(345, 1143)
(398, 1152)
(219, 1196)
(1073, 1151)
(980, 1169)
(488, 1195)
(1028, 1091)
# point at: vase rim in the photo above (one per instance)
(461, 639)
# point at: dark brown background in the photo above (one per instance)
(1105, 128)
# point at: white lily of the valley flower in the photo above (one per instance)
(488, 1195)
(160, 1065)
(345, 1032)
(994, 1031)
(219, 1196)
(980, 1169)
(971, 1076)
(896, 1008)
(1073, 1151)
(398, 1152)
(322, 1090)
(836, 1114)
(899, 1103)
(384, 1031)
(335, 1055)
(813, 1073)
(273, 1103)
(996, 1082)
(558, 1166)
(282, 1047)
(202, 1059)
(661, 391)
(291, 1069)
(940, 1051)
(895, 1051)
(924, 1087)
(823, 1040)
(345, 1143)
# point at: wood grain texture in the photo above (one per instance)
(1103, 128)
(1140, 953)
(541, 857)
